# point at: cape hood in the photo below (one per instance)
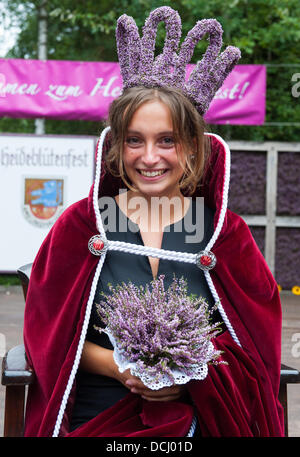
(238, 399)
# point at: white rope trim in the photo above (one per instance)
(97, 182)
(192, 427)
(92, 291)
(79, 349)
(152, 252)
(220, 308)
(224, 194)
(217, 233)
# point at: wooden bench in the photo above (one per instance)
(17, 374)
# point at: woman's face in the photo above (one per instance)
(151, 157)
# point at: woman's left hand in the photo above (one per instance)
(171, 393)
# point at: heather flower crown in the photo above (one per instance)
(139, 67)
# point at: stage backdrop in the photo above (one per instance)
(84, 90)
(40, 177)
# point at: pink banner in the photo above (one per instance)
(242, 97)
(84, 90)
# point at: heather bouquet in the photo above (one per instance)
(163, 336)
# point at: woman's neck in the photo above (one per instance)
(153, 213)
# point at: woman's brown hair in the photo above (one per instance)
(188, 126)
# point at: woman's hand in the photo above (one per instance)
(98, 360)
(136, 386)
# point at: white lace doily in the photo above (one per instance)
(199, 372)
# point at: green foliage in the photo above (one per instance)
(266, 31)
(9, 280)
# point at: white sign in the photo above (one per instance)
(40, 176)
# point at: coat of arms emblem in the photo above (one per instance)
(43, 200)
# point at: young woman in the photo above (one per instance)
(155, 146)
(162, 151)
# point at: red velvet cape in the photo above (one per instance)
(238, 399)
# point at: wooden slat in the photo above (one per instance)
(14, 411)
(15, 368)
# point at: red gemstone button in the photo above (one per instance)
(98, 245)
(205, 260)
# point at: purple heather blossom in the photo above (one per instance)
(161, 66)
(160, 330)
(128, 46)
(140, 68)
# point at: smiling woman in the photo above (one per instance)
(161, 154)
(151, 156)
(182, 121)
(155, 145)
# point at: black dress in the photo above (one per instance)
(95, 393)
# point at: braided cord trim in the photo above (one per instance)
(224, 195)
(220, 307)
(97, 182)
(92, 291)
(79, 348)
(215, 237)
(152, 252)
(192, 427)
